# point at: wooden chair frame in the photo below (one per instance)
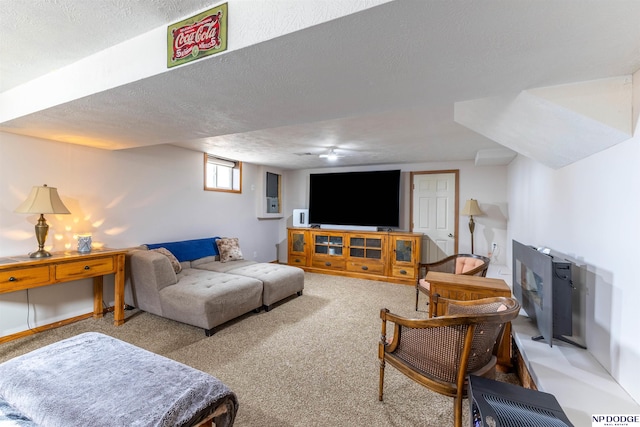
(456, 345)
(448, 265)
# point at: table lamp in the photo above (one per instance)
(471, 208)
(42, 200)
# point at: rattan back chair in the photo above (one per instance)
(440, 353)
(452, 264)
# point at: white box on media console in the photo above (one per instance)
(301, 217)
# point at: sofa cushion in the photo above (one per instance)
(424, 285)
(220, 267)
(188, 250)
(204, 260)
(177, 267)
(149, 273)
(207, 299)
(279, 280)
(229, 249)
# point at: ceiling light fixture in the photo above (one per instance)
(331, 155)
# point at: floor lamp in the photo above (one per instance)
(470, 209)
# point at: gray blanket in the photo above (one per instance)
(92, 379)
(11, 417)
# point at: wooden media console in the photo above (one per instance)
(376, 255)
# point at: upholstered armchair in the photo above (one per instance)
(468, 264)
(440, 353)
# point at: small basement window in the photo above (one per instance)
(222, 174)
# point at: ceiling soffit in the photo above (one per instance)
(556, 125)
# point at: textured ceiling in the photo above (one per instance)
(380, 85)
(40, 36)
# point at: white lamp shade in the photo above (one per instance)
(471, 208)
(43, 200)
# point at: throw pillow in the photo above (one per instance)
(229, 249)
(177, 267)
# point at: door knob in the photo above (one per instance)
(451, 235)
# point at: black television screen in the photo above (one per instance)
(355, 198)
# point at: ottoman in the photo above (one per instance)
(279, 281)
(96, 380)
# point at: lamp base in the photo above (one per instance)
(42, 228)
(41, 253)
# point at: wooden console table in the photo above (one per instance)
(21, 272)
(465, 288)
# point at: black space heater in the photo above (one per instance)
(498, 404)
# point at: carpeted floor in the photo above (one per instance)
(310, 361)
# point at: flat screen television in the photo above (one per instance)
(543, 286)
(360, 199)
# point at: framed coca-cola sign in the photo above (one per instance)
(201, 35)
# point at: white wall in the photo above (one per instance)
(124, 198)
(154, 194)
(589, 211)
(487, 184)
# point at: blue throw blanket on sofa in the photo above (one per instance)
(188, 250)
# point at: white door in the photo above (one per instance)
(434, 212)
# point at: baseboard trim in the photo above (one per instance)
(43, 328)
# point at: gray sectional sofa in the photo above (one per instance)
(188, 282)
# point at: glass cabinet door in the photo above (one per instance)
(404, 250)
(298, 249)
(327, 244)
(365, 247)
(297, 242)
